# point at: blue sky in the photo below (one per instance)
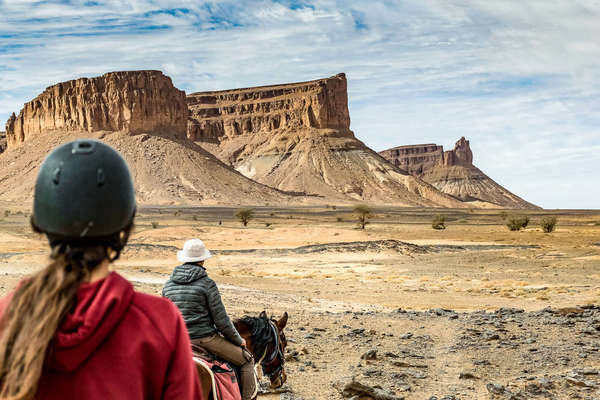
(520, 80)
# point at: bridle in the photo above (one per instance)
(276, 355)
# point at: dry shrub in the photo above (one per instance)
(439, 222)
(244, 215)
(154, 224)
(516, 223)
(363, 213)
(548, 224)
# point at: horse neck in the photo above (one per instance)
(245, 333)
(256, 345)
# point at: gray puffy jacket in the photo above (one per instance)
(198, 299)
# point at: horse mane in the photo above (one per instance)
(261, 333)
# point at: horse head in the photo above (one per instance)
(266, 341)
(273, 367)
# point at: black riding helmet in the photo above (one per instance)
(84, 195)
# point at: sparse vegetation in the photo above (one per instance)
(154, 224)
(339, 219)
(503, 215)
(439, 222)
(516, 223)
(6, 213)
(363, 213)
(548, 224)
(244, 215)
(195, 218)
(268, 224)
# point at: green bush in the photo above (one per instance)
(439, 222)
(363, 213)
(548, 224)
(244, 215)
(516, 223)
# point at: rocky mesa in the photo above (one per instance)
(129, 101)
(453, 173)
(296, 137)
(142, 115)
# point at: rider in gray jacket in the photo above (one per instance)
(208, 324)
(199, 301)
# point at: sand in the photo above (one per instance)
(335, 279)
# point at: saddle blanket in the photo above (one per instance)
(225, 384)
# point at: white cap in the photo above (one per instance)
(194, 250)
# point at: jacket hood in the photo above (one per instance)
(187, 273)
(99, 308)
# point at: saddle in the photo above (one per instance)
(217, 377)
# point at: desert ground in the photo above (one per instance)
(398, 309)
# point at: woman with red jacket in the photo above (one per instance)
(75, 330)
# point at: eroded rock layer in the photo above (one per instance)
(2, 142)
(319, 104)
(143, 116)
(296, 137)
(129, 101)
(453, 173)
(165, 170)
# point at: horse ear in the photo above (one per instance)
(263, 315)
(282, 321)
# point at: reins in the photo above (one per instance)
(276, 353)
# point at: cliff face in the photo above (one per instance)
(296, 137)
(320, 104)
(144, 117)
(461, 155)
(414, 159)
(2, 142)
(130, 101)
(453, 173)
(418, 159)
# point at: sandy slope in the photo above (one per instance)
(329, 163)
(472, 185)
(165, 171)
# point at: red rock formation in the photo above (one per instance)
(414, 159)
(2, 141)
(296, 137)
(453, 173)
(419, 158)
(130, 101)
(461, 155)
(316, 104)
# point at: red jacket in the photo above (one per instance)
(120, 344)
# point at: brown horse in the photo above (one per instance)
(266, 341)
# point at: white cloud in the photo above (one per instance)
(519, 79)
